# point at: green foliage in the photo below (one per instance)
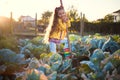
(109, 18)
(85, 68)
(116, 58)
(73, 14)
(37, 40)
(55, 61)
(9, 42)
(13, 62)
(45, 18)
(116, 38)
(35, 46)
(45, 55)
(33, 76)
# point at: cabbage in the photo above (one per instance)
(97, 57)
(55, 61)
(12, 62)
(110, 46)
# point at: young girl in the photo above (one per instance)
(56, 31)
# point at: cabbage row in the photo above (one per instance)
(94, 57)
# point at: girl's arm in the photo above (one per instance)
(68, 23)
(63, 25)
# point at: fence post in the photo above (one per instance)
(11, 23)
(36, 24)
(82, 24)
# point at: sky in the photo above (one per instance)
(93, 9)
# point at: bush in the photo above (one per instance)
(9, 42)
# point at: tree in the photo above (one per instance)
(109, 18)
(73, 14)
(45, 18)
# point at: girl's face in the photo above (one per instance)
(61, 13)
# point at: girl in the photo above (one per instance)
(56, 31)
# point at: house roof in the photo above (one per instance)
(27, 18)
(118, 11)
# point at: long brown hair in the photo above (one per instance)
(52, 24)
(55, 20)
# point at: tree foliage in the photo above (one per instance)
(45, 18)
(109, 18)
(73, 14)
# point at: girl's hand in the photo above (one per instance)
(65, 18)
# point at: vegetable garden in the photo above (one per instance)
(94, 57)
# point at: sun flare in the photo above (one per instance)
(91, 8)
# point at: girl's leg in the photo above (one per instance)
(66, 48)
(65, 41)
(52, 47)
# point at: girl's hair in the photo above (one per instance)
(52, 24)
(55, 20)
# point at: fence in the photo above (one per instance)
(104, 28)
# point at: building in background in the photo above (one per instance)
(116, 15)
(28, 21)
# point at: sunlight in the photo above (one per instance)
(92, 8)
(1, 19)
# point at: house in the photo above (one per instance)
(28, 21)
(116, 15)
